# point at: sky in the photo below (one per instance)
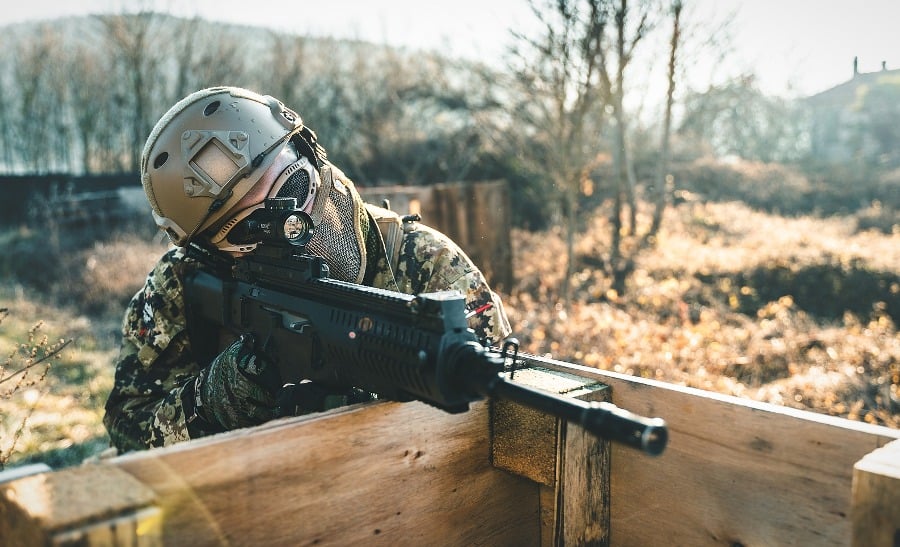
(795, 47)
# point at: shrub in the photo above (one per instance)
(22, 374)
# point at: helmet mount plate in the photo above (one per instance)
(217, 160)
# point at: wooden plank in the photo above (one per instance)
(876, 498)
(379, 474)
(584, 496)
(489, 240)
(138, 529)
(734, 472)
(87, 505)
(571, 465)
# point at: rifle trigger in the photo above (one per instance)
(296, 324)
(289, 321)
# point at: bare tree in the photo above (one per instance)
(660, 198)
(562, 103)
(737, 118)
(38, 94)
(205, 55)
(627, 34)
(289, 70)
(7, 147)
(89, 108)
(134, 42)
(379, 85)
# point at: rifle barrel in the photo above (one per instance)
(603, 419)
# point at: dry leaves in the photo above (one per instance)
(689, 317)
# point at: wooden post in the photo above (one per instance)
(477, 217)
(88, 506)
(876, 498)
(571, 465)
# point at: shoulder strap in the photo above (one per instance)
(390, 225)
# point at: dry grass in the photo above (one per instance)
(691, 315)
(64, 411)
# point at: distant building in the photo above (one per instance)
(858, 119)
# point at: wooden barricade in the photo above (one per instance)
(876, 498)
(475, 215)
(735, 472)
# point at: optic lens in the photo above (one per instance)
(297, 229)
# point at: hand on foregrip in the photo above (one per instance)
(231, 390)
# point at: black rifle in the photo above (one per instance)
(398, 346)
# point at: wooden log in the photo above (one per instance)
(735, 472)
(876, 498)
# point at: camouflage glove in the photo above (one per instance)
(231, 391)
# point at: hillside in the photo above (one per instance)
(793, 311)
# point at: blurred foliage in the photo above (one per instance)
(828, 289)
(390, 116)
(73, 282)
(737, 119)
(799, 311)
(872, 195)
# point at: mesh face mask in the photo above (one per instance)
(337, 212)
(338, 237)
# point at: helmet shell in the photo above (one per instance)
(207, 152)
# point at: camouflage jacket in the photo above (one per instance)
(156, 361)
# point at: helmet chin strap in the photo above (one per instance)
(213, 207)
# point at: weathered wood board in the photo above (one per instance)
(380, 474)
(88, 505)
(570, 464)
(876, 498)
(735, 472)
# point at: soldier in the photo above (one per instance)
(209, 163)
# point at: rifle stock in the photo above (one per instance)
(401, 347)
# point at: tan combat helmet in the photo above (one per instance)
(207, 152)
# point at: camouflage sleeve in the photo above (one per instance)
(431, 261)
(155, 369)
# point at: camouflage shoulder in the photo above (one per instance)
(430, 261)
(156, 313)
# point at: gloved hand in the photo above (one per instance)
(306, 397)
(232, 392)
